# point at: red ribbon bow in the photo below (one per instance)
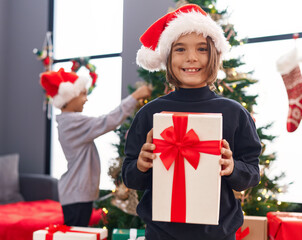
(177, 145)
(242, 234)
(56, 228)
(63, 228)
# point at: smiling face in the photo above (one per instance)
(193, 62)
(189, 59)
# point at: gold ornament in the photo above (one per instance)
(125, 199)
(215, 16)
(115, 169)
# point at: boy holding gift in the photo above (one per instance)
(79, 185)
(189, 44)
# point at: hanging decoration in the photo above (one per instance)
(229, 30)
(77, 63)
(46, 53)
(289, 69)
(125, 199)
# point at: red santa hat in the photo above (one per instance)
(63, 86)
(158, 38)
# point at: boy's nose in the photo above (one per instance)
(192, 57)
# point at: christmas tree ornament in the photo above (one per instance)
(229, 31)
(288, 67)
(45, 55)
(77, 63)
(125, 199)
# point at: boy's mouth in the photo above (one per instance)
(191, 70)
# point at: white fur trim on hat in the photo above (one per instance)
(67, 91)
(184, 23)
(287, 62)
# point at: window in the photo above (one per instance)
(260, 18)
(90, 28)
(87, 28)
(273, 107)
(265, 18)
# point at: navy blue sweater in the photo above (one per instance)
(238, 129)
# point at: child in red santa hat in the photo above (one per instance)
(189, 45)
(79, 185)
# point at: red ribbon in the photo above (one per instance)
(242, 234)
(63, 228)
(177, 145)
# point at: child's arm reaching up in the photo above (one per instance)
(93, 127)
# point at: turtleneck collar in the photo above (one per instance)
(192, 94)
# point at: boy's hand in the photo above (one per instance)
(226, 161)
(142, 92)
(146, 156)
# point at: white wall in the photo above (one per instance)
(138, 16)
(22, 121)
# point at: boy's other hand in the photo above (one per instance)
(226, 161)
(146, 155)
(142, 92)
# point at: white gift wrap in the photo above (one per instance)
(41, 234)
(202, 184)
(132, 234)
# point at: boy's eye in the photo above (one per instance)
(202, 49)
(179, 49)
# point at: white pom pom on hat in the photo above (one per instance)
(149, 59)
(158, 38)
(63, 86)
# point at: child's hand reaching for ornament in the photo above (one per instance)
(146, 155)
(142, 92)
(226, 161)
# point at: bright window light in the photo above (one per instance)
(90, 28)
(87, 28)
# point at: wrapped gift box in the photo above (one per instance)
(62, 232)
(284, 225)
(125, 234)
(257, 228)
(186, 171)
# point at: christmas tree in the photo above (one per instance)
(231, 83)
